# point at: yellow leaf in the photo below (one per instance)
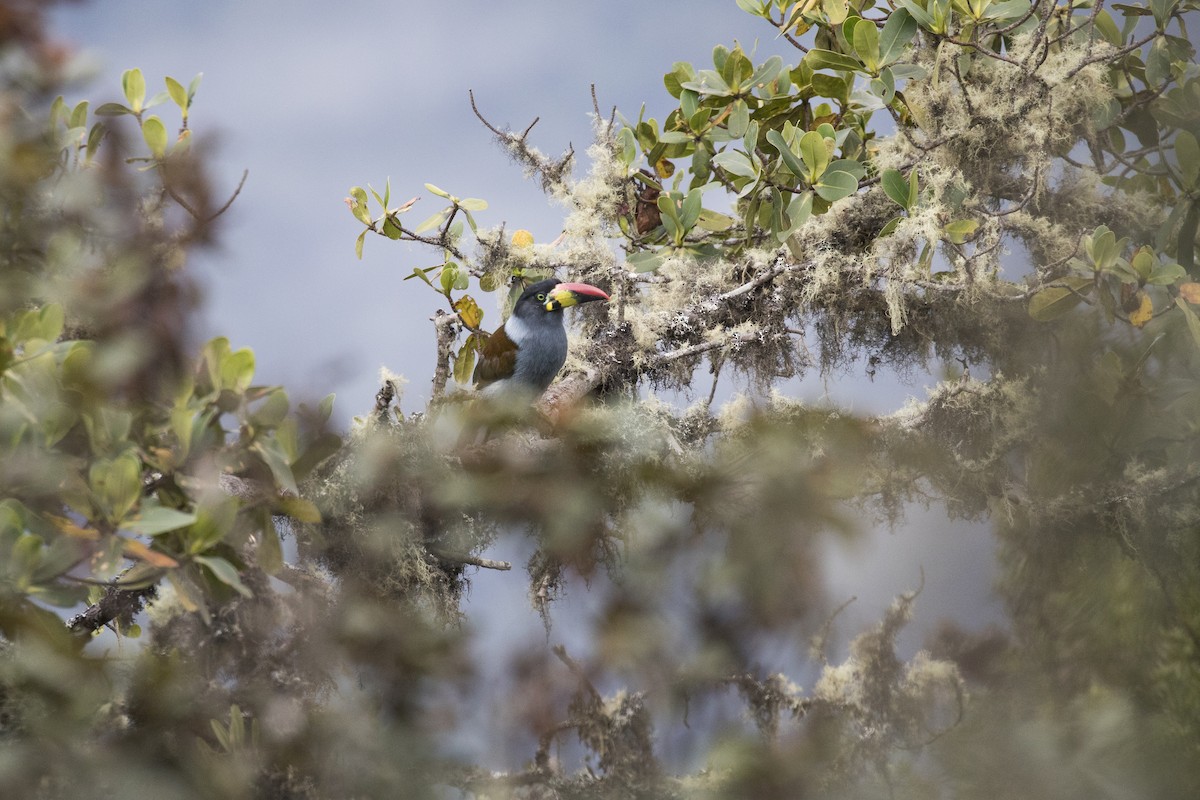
(135, 549)
(664, 168)
(71, 529)
(1144, 312)
(1190, 292)
(522, 238)
(469, 311)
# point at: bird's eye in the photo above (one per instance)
(541, 298)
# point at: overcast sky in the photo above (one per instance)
(314, 97)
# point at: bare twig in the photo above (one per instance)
(186, 206)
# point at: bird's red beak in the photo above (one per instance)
(571, 294)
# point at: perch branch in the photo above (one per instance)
(115, 603)
(445, 347)
(475, 561)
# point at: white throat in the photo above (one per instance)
(516, 329)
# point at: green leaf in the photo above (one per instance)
(736, 163)
(437, 191)
(756, 7)
(768, 71)
(272, 410)
(690, 211)
(112, 110)
(155, 134)
(790, 159)
(832, 86)
(271, 452)
(51, 320)
(464, 364)
(193, 86)
(325, 407)
(359, 205)
(1008, 10)
(919, 14)
(897, 32)
(1187, 151)
(884, 87)
(815, 155)
(628, 146)
(378, 198)
(1054, 301)
(896, 187)
(448, 276)
(827, 59)
(1103, 247)
(95, 136)
(79, 115)
(836, 184)
(799, 209)
(709, 82)
(58, 109)
(472, 204)
(153, 519)
(866, 44)
(139, 576)
(157, 99)
(1166, 274)
(713, 221)
(848, 165)
(423, 274)
(299, 509)
(908, 72)
(1158, 63)
(645, 261)
(434, 221)
(117, 483)
(1108, 29)
(178, 93)
(225, 572)
(134, 86)
(391, 228)
(270, 549)
(1189, 316)
(961, 230)
(669, 216)
(322, 448)
(1162, 10)
(237, 370)
(1143, 262)
(739, 119)
(358, 244)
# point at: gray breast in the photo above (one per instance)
(543, 352)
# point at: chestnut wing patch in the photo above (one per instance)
(497, 359)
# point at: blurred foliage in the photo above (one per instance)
(301, 596)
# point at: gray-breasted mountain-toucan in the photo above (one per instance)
(525, 353)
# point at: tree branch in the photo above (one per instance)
(475, 561)
(116, 603)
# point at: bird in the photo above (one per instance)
(524, 354)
